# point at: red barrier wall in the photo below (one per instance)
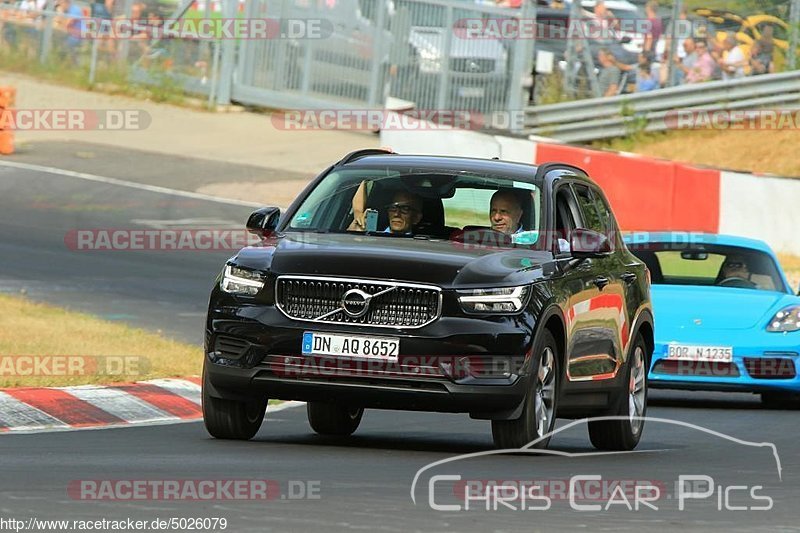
(647, 194)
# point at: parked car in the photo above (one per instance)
(335, 309)
(727, 318)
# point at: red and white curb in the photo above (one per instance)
(158, 401)
(91, 406)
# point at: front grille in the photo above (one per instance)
(391, 304)
(710, 369)
(471, 65)
(770, 367)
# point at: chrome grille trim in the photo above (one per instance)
(397, 305)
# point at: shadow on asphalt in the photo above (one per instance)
(704, 400)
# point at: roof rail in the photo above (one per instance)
(358, 154)
(544, 168)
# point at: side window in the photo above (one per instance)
(591, 216)
(605, 213)
(565, 218)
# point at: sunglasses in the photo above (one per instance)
(735, 264)
(400, 208)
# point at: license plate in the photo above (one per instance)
(685, 352)
(470, 92)
(383, 348)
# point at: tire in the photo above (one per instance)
(231, 419)
(332, 419)
(780, 400)
(539, 410)
(624, 435)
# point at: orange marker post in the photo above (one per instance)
(8, 96)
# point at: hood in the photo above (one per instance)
(443, 263)
(716, 308)
(432, 40)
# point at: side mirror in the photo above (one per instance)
(263, 222)
(585, 243)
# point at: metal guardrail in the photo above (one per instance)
(616, 116)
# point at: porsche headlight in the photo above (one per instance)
(236, 280)
(494, 301)
(787, 319)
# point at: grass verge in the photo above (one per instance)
(126, 353)
(111, 78)
(763, 151)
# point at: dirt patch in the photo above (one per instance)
(280, 193)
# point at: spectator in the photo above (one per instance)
(778, 57)
(703, 67)
(761, 58)
(74, 25)
(645, 59)
(655, 26)
(645, 79)
(607, 19)
(717, 51)
(100, 10)
(683, 66)
(734, 60)
(610, 74)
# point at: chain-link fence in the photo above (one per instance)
(428, 54)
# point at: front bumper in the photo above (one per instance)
(455, 364)
(751, 370)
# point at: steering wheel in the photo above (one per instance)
(482, 236)
(737, 282)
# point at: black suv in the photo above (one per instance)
(449, 284)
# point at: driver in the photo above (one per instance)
(505, 212)
(404, 212)
(735, 266)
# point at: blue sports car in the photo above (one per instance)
(726, 317)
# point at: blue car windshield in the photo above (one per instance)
(710, 265)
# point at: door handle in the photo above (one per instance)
(628, 277)
(601, 282)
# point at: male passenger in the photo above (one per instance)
(405, 212)
(505, 212)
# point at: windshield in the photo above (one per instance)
(711, 265)
(458, 206)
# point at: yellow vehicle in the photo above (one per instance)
(750, 29)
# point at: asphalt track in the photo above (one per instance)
(362, 483)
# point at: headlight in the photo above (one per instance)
(237, 280)
(787, 319)
(494, 301)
